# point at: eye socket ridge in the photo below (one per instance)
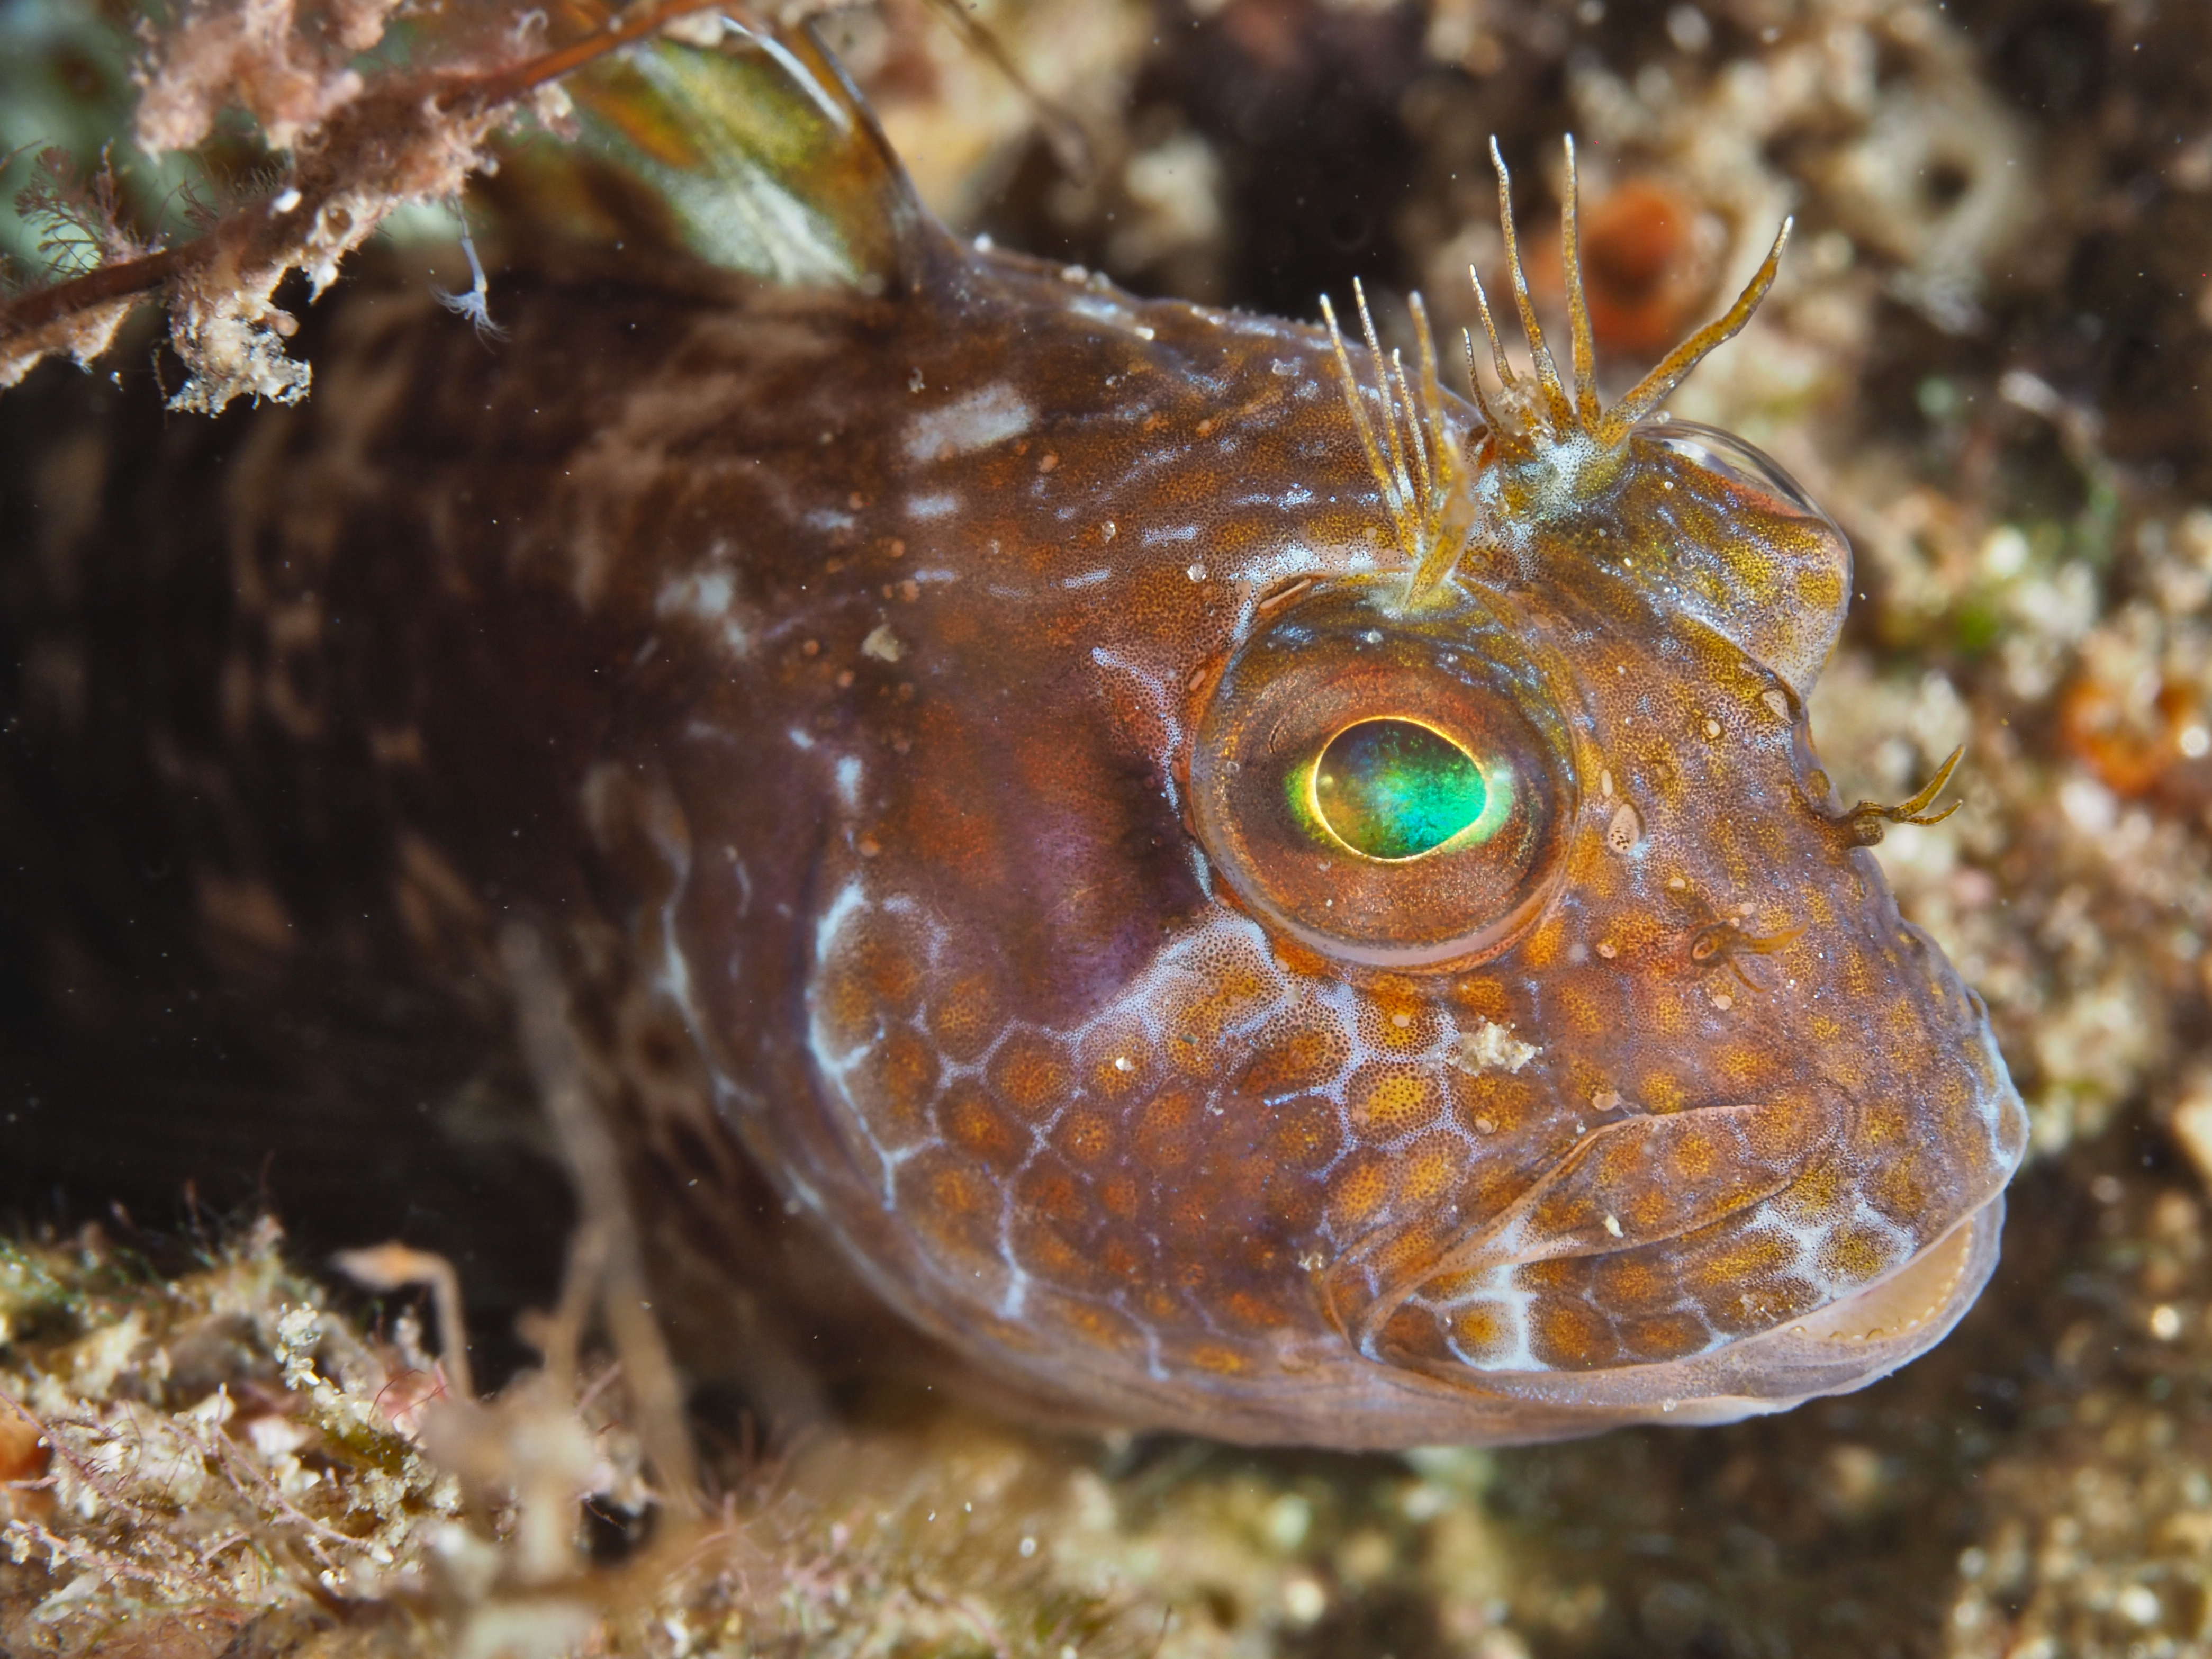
(1393, 788)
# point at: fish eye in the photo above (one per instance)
(1392, 788)
(1389, 788)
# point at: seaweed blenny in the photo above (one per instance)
(1240, 890)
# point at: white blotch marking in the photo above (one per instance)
(848, 778)
(1088, 579)
(1166, 699)
(932, 506)
(1097, 310)
(799, 739)
(849, 899)
(1625, 830)
(982, 418)
(705, 596)
(1499, 1288)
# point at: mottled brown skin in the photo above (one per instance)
(848, 663)
(1077, 1110)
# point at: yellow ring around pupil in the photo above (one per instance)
(1392, 788)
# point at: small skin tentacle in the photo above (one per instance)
(1654, 388)
(1378, 463)
(1415, 458)
(1865, 822)
(1481, 398)
(1430, 417)
(1419, 467)
(1724, 942)
(1403, 498)
(1443, 524)
(1506, 378)
(1561, 411)
(1587, 410)
(1433, 390)
(1503, 418)
(1417, 449)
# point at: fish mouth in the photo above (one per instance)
(1846, 1345)
(1863, 1334)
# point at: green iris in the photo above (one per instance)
(1396, 789)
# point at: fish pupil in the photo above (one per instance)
(1394, 788)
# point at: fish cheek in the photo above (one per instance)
(952, 1205)
(875, 1043)
(1629, 1188)
(1044, 849)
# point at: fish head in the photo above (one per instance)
(1306, 981)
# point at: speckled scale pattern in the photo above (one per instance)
(939, 586)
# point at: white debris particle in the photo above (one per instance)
(883, 645)
(977, 420)
(1490, 1045)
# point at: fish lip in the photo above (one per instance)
(1850, 1342)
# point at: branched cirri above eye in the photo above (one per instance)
(1393, 789)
